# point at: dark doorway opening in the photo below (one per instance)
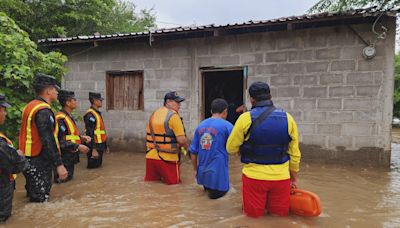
(226, 84)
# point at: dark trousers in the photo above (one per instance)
(70, 170)
(38, 182)
(214, 194)
(6, 197)
(94, 162)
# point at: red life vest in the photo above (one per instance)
(99, 130)
(73, 134)
(29, 139)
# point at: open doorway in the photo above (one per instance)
(227, 84)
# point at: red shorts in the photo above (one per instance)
(259, 195)
(167, 171)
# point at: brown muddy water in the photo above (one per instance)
(117, 196)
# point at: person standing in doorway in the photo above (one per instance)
(95, 129)
(235, 108)
(68, 134)
(208, 151)
(38, 140)
(11, 163)
(165, 137)
(267, 140)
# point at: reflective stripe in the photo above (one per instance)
(71, 129)
(72, 138)
(7, 139)
(97, 131)
(73, 135)
(56, 136)
(28, 142)
(60, 116)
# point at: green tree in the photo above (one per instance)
(343, 5)
(60, 18)
(19, 61)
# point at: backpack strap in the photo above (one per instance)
(259, 120)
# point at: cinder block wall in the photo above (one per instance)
(341, 102)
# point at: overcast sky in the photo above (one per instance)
(173, 13)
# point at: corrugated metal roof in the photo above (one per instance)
(303, 18)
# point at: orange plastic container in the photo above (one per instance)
(304, 203)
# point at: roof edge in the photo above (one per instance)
(369, 12)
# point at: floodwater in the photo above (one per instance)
(117, 196)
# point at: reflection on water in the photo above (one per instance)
(117, 196)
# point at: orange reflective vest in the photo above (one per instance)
(9, 142)
(29, 139)
(99, 131)
(162, 138)
(73, 134)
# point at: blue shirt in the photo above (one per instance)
(209, 143)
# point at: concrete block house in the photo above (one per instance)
(333, 72)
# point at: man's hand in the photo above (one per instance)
(182, 142)
(62, 172)
(108, 150)
(293, 179)
(86, 139)
(293, 183)
(21, 153)
(82, 148)
(95, 154)
(193, 157)
(240, 109)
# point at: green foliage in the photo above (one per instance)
(19, 57)
(60, 18)
(343, 5)
(19, 61)
(396, 96)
